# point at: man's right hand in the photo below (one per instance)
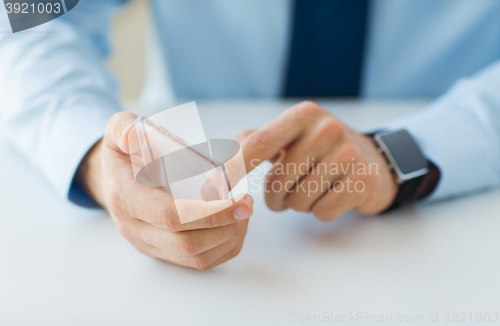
(146, 216)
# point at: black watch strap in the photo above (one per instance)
(406, 192)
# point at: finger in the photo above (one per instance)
(269, 140)
(240, 136)
(187, 243)
(295, 165)
(215, 213)
(218, 255)
(203, 261)
(118, 129)
(308, 191)
(335, 202)
(159, 208)
(317, 182)
(230, 255)
(225, 178)
(209, 192)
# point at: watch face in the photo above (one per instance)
(405, 152)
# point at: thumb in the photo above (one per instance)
(120, 132)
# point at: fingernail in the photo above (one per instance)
(124, 134)
(126, 130)
(249, 199)
(241, 213)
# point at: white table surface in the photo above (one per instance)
(64, 265)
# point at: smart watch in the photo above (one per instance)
(405, 160)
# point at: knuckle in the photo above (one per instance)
(211, 221)
(115, 203)
(168, 220)
(296, 204)
(125, 230)
(142, 249)
(308, 109)
(171, 226)
(273, 182)
(241, 135)
(374, 181)
(200, 263)
(115, 124)
(259, 139)
(204, 269)
(330, 128)
(186, 248)
(236, 251)
(321, 213)
(113, 121)
(274, 202)
(240, 228)
(369, 202)
(351, 151)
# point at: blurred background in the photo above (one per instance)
(130, 33)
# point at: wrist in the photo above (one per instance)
(415, 174)
(383, 187)
(89, 173)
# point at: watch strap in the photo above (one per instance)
(406, 192)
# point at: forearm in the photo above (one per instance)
(56, 96)
(460, 133)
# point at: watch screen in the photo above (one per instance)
(405, 151)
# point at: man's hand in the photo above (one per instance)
(146, 216)
(321, 165)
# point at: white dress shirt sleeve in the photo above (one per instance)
(460, 133)
(56, 94)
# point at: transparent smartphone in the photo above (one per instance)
(190, 168)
